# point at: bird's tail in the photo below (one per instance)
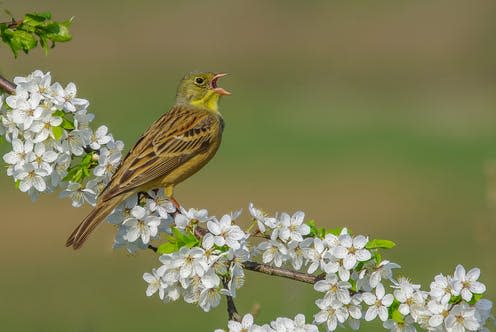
(99, 213)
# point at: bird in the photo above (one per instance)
(173, 148)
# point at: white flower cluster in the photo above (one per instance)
(204, 259)
(141, 218)
(205, 267)
(52, 143)
(453, 303)
(281, 324)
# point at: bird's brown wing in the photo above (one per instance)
(177, 136)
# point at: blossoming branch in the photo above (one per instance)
(202, 257)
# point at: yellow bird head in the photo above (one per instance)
(201, 90)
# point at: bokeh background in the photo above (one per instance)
(376, 115)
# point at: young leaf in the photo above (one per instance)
(57, 132)
(335, 231)
(67, 124)
(397, 316)
(377, 243)
(393, 312)
(37, 17)
(167, 248)
(377, 256)
(58, 32)
(475, 298)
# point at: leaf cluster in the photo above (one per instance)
(79, 172)
(35, 28)
(178, 240)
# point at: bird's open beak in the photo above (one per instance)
(217, 90)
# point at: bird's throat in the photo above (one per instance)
(210, 102)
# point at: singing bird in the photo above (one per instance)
(175, 147)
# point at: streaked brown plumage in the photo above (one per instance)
(175, 147)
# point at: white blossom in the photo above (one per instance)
(107, 164)
(123, 210)
(461, 317)
(155, 284)
(442, 288)
(334, 288)
(79, 195)
(141, 225)
(43, 128)
(383, 270)
(192, 262)
(405, 326)
(331, 312)
(99, 137)
(378, 302)
(290, 227)
(297, 252)
(273, 252)
(20, 154)
(245, 325)
(352, 250)
(160, 203)
(185, 218)
(31, 177)
(466, 284)
(43, 158)
(260, 217)
(224, 233)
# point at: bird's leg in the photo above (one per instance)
(169, 191)
(176, 203)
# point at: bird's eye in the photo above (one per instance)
(199, 80)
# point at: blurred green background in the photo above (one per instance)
(376, 115)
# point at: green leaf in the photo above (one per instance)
(377, 243)
(336, 231)
(87, 159)
(35, 27)
(17, 184)
(178, 235)
(19, 40)
(393, 312)
(475, 298)
(191, 240)
(178, 240)
(377, 256)
(37, 17)
(57, 132)
(397, 316)
(315, 231)
(353, 284)
(313, 228)
(167, 248)
(67, 124)
(44, 43)
(455, 299)
(58, 32)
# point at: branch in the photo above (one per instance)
(231, 307)
(7, 86)
(280, 272)
(264, 268)
(13, 23)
